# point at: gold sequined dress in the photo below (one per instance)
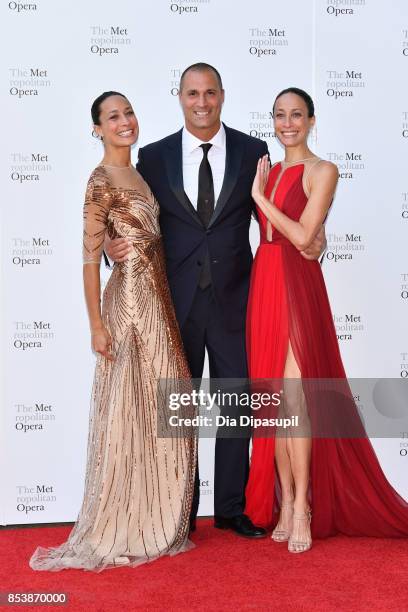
(138, 487)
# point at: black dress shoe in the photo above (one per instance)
(242, 526)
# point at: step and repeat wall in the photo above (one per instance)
(352, 55)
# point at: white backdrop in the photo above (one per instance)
(352, 55)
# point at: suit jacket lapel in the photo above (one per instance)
(173, 157)
(233, 160)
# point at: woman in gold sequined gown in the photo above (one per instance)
(139, 486)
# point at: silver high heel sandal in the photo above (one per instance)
(300, 545)
(279, 534)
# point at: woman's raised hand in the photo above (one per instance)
(261, 177)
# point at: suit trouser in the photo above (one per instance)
(204, 328)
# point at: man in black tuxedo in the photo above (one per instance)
(202, 178)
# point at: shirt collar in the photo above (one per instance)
(191, 142)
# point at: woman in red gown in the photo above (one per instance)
(291, 335)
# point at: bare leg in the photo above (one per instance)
(284, 468)
(283, 529)
(299, 450)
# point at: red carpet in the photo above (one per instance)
(224, 572)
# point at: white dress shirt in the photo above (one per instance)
(192, 157)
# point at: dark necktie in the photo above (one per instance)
(206, 199)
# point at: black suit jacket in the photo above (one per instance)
(187, 243)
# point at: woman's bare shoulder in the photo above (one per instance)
(326, 168)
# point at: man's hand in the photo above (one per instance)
(117, 249)
(318, 246)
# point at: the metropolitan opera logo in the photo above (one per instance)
(404, 205)
(404, 365)
(349, 163)
(404, 286)
(344, 84)
(205, 488)
(33, 417)
(175, 74)
(23, 7)
(261, 124)
(34, 498)
(108, 40)
(343, 247)
(404, 444)
(28, 167)
(347, 326)
(405, 43)
(30, 251)
(405, 124)
(32, 336)
(187, 7)
(267, 41)
(339, 8)
(26, 82)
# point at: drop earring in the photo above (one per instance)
(313, 134)
(96, 135)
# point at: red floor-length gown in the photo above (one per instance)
(288, 301)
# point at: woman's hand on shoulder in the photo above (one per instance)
(102, 342)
